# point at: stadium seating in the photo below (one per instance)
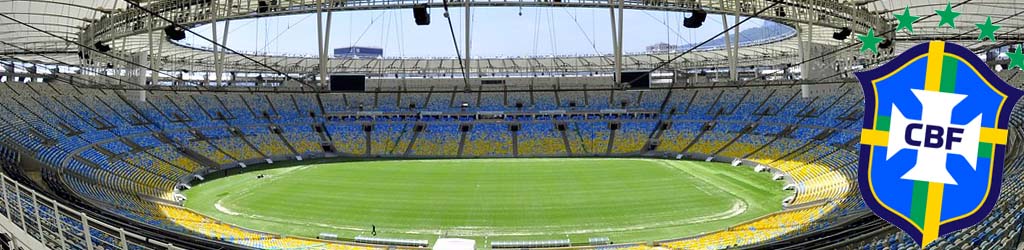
(348, 138)
(540, 139)
(139, 151)
(632, 136)
(759, 230)
(438, 139)
(488, 140)
(391, 138)
(588, 137)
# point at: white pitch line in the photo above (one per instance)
(739, 206)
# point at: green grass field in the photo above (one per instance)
(627, 200)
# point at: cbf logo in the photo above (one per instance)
(931, 154)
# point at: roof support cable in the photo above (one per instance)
(691, 49)
(86, 47)
(455, 41)
(216, 44)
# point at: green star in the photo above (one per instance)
(947, 16)
(987, 30)
(869, 41)
(906, 20)
(1016, 59)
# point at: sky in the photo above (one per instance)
(496, 32)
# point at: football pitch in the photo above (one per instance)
(626, 200)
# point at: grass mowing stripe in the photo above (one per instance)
(495, 199)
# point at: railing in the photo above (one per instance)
(391, 241)
(56, 226)
(531, 244)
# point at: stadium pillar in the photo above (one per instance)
(216, 49)
(810, 37)
(803, 40)
(149, 40)
(155, 62)
(224, 41)
(615, 39)
(468, 19)
(324, 63)
(735, 75)
(618, 54)
(320, 40)
(728, 44)
(137, 74)
(800, 45)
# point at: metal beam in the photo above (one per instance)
(224, 40)
(325, 64)
(728, 44)
(615, 39)
(219, 68)
(152, 57)
(468, 41)
(320, 41)
(733, 73)
(618, 54)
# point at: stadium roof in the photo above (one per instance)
(50, 27)
(49, 31)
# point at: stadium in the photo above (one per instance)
(331, 124)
